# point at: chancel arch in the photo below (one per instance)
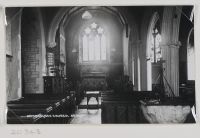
(81, 33)
(68, 14)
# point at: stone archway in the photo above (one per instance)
(75, 26)
(65, 12)
(132, 44)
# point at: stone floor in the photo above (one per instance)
(87, 116)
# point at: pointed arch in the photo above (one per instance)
(154, 19)
(65, 13)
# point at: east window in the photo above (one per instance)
(94, 44)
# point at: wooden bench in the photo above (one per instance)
(27, 113)
(33, 109)
(122, 107)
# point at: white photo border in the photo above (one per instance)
(97, 131)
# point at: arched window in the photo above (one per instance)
(191, 56)
(93, 43)
(153, 51)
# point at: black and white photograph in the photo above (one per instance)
(130, 64)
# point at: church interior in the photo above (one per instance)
(100, 65)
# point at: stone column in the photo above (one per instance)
(125, 52)
(170, 47)
(136, 59)
(133, 55)
(171, 67)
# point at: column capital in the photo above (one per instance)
(51, 44)
(172, 45)
(62, 36)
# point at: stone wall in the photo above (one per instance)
(13, 54)
(31, 51)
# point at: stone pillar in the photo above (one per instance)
(139, 65)
(170, 47)
(133, 55)
(125, 52)
(171, 67)
(136, 59)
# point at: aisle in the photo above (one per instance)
(84, 116)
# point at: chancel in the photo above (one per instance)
(100, 65)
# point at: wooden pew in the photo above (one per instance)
(53, 106)
(24, 109)
(122, 108)
(27, 113)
